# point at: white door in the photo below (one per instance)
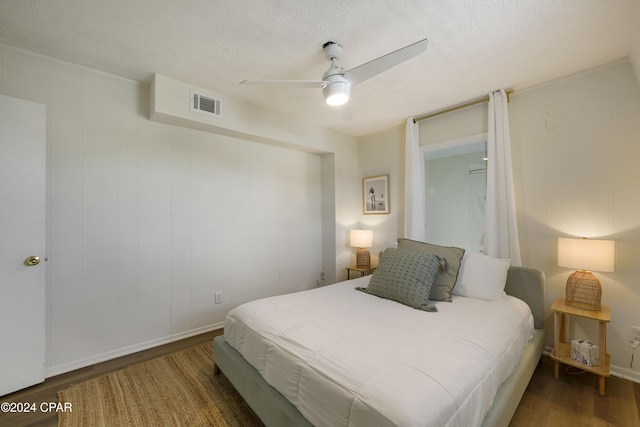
(22, 235)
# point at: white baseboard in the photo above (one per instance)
(92, 360)
(616, 371)
(625, 373)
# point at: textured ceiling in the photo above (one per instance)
(474, 46)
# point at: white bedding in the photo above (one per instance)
(347, 358)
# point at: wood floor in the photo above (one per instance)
(571, 400)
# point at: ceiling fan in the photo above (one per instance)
(336, 83)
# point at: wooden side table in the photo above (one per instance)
(561, 352)
(362, 271)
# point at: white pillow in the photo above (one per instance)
(482, 277)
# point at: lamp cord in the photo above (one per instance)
(574, 371)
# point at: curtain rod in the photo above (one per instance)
(459, 106)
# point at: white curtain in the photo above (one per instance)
(414, 196)
(501, 239)
(477, 196)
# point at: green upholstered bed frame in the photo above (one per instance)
(274, 410)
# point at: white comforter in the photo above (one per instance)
(347, 358)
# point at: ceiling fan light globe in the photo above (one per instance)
(336, 100)
(336, 93)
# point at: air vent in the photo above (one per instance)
(205, 104)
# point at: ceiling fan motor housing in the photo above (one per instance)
(332, 50)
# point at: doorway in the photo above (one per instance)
(455, 188)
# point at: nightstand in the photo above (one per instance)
(561, 352)
(362, 271)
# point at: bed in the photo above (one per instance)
(336, 356)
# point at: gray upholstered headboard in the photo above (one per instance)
(527, 284)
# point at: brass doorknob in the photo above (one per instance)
(32, 260)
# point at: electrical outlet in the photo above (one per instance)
(218, 296)
(636, 333)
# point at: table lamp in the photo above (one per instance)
(362, 239)
(583, 288)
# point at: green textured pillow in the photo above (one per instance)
(446, 278)
(405, 276)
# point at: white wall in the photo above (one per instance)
(456, 125)
(634, 55)
(383, 153)
(169, 104)
(575, 153)
(147, 220)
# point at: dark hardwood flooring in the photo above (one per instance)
(571, 400)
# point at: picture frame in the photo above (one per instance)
(375, 195)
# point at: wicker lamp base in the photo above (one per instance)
(363, 258)
(583, 290)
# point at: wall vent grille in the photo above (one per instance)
(205, 104)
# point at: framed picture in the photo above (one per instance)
(375, 194)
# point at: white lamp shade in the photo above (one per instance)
(361, 238)
(586, 254)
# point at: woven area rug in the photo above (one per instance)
(175, 390)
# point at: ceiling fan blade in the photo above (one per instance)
(291, 83)
(372, 68)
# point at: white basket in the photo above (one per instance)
(585, 352)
